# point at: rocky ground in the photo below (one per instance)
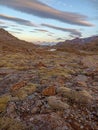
(48, 90)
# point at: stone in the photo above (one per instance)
(64, 91)
(50, 91)
(23, 92)
(39, 103)
(11, 110)
(18, 85)
(79, 96)
(40, 64)
(81, 80)
(56, 103)
(35, 110)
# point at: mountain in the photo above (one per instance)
(90, 43)
(9, 43)
(42, 88)
(4, 35)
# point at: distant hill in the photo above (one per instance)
(90, 44)
(9, 43)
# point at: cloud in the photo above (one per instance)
(50, 35)
(32, 31)
(71, 31)
(59, 39)
(3, 26)
(37, 8)
(72, 36)
(18, 29)
(41, 30)
(2, 22)
(17, 20)
(16, 32)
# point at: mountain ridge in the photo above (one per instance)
(89, 43)
(8, 42)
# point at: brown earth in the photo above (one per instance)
(43, 90)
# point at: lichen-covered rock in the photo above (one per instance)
(50, 91)
(23, 92)
(56, 103)
(10, 124)
(79, 96)
(64, 91)
(18, 85)
(40, 64)
(81, 80)
(3, 101)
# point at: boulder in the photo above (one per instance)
(18, 85)
(50, 91)
(56, 103)
(79, 96)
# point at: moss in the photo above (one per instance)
(16, 61)
(22, 93)
(57, 71)
(80, 96)
(3, 102)
(10, 124)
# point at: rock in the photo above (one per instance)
(11, 110)
(81, 80)
(81, 84)
(35, 110)
(64, 91)
(56, 103)
(3, 101)
(24, 91)
(40, 64)
(91, 72)
(79, 96)
(18, 85)
(61, 79)
(95, 83)
(50, 91)
(39, 103)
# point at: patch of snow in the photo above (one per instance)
(52, 50)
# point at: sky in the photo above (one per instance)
(49, 21)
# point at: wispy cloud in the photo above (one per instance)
(71, 31)
(16, 32)
(1, 22)
(3, 26)
(59, 39)
(17, 20)
(41, 30)
(18, 29)
(37, 8)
